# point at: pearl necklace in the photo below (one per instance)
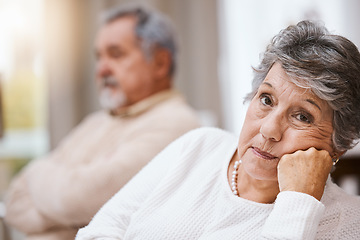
(234, 178)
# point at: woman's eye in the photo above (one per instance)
(266, 100)
(303, 118)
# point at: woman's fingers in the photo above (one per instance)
(305, 171)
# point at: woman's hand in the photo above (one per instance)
(305, 171)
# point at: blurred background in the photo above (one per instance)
(47, 65)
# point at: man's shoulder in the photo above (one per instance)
(215, 135)
(98, 115)
(175, 99)
(210, 131)
(174, 111)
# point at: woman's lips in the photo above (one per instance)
(262, 154)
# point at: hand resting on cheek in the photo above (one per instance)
(305, 171)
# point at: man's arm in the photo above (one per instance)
(20, 208)
(22, 211)
(75, 193)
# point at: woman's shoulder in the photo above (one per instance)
(342, 213)
(337, 192)
(337, 199)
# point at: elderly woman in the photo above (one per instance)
(272, 183)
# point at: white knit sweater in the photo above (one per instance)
(184, 194)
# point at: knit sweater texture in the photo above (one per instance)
(55, 195)
(184, 193)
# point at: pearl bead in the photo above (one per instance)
(234, 177)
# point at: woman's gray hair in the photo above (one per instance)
(327, 64)
(152, 28)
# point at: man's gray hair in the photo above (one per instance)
(152, 28)
(327, 64)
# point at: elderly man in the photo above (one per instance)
(135, 50)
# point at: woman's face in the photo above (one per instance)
(282, 118)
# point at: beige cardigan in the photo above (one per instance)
(54, 196)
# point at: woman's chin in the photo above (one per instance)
(261, 169)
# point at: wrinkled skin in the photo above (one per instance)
(285, 143)
(123, 73)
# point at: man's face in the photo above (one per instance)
(124, 75)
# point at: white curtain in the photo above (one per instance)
(246, 27)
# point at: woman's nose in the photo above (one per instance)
(272, 126)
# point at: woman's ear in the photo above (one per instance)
(335, 157)
(338, 154)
